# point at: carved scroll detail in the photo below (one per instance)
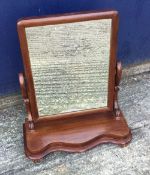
(117, 82)
(26, 100)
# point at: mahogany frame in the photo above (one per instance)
(108, 114)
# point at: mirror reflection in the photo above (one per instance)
(70, 65)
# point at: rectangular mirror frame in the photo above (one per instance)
(68, 18)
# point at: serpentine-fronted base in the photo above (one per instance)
(75, 134)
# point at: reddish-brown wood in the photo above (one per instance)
(74, 131)
(67, 18)
(26, 100)
(75, 134)
(117, 81)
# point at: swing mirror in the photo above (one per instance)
(70, 83)
(68, 62)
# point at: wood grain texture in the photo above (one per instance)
(69, 135)
(70, 64)
(63, 19)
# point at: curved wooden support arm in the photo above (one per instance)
(22, 86)
(117, 82)
(26, 99)
(118, 73)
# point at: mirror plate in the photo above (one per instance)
(70, 65)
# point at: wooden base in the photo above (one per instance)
(68, 133)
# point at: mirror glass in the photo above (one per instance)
(70, 65)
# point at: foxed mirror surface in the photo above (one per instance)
(70, 65)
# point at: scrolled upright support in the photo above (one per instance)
(26, 100)
(117, 82)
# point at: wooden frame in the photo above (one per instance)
(110, 118)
